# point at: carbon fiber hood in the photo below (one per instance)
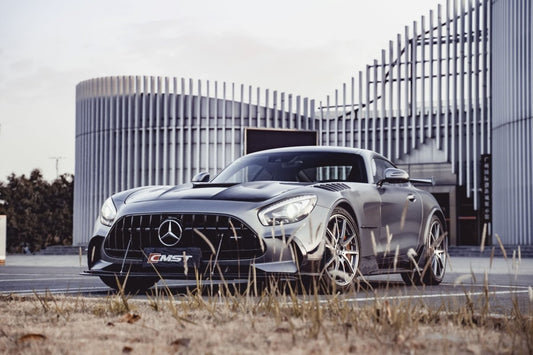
(250, 191)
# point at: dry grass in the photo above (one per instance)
(275, 321)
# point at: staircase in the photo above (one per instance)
(526, 251)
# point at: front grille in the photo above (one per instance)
(228, 236)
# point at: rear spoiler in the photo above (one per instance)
(429, 181)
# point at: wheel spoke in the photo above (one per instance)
(438, 263)
(348, 241)
(434, 266)
(350, 252)
(438, 267)
(335, 233)
(439, 252)
(441, 265)
(441, 257)
(348, 262)
(330, 247)
(342, 264)
(334, 259)
(343, 230)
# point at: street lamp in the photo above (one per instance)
(57, 159)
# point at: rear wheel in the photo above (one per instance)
(436, 251)
(130, 284)
(341, 257)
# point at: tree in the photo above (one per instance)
(38, 213)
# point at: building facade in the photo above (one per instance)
(512, 122)
(450, 98)
(138, 131)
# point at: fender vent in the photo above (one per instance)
(333, 186)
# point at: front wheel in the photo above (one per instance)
(342, 248)
(436, 251)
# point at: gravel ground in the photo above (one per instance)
(236, 325)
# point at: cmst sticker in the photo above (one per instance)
(154, 258)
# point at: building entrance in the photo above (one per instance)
(257, 139)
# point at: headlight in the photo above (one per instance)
(287, 211)
(108, 212)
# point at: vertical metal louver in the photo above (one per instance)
(137, 131)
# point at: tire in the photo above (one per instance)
(131, 285)
(342, 251)
(432, 267)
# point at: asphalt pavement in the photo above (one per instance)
(456, 264)
(509, 281)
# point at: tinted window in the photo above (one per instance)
(295, 166)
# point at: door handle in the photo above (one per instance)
(411, 197)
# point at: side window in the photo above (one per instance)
(378, 168)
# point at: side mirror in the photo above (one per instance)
(201, 177)
(394, 176)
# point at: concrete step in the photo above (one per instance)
(62, 250)
(525, 251)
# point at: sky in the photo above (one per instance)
(308, 48)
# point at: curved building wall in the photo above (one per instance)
(136, 131)
(512, 128)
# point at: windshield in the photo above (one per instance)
(295, 166)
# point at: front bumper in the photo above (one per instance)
(288, 250)
(286, 269)
(279, 259)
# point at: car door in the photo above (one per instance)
(400, 215)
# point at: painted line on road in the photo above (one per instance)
(45, 279)
(56, 291)
(39, 274)
(350, 300)
(441, 295)
(482, 285)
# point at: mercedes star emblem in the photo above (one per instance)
(169, 232)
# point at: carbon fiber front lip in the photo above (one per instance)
(220, 271)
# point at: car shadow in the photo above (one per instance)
(281, 288)
(209, 288)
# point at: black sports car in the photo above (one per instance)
(328, 212)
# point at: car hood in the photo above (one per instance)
(250, 191)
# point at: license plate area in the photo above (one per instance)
(173, 257)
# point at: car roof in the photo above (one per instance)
(331, 149)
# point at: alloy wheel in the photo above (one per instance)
(342, 249)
